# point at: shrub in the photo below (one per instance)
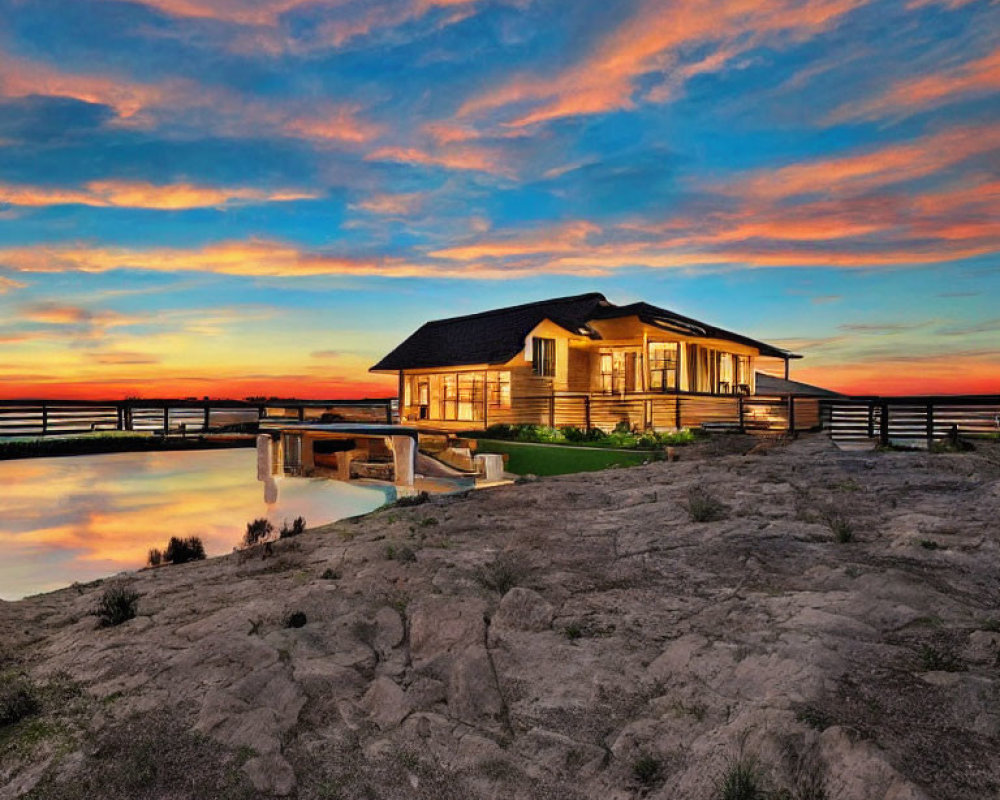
(929, 544)
(623, 426)
(295, 620)
(843, 530)
(934, 660)
(257, 531)
(330, 575)
(402, 554)
(573, 631)
(647, 769)
(297, 527)
(182, 550)
(18, 700)
(155, 557)
(742, 780)
(413, 499)
(703, 506)
(573, 434)
(500, 575)
(118, 604)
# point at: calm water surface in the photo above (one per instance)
(81, 518)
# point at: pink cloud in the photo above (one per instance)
(651, 42)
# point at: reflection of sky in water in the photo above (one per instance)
(76, 519)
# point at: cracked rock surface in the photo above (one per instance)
(573, 637)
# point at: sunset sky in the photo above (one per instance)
(236, 197)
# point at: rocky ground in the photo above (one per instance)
(574, 637)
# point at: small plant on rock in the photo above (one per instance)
(298, 526)
(118, 604)
(647, 769)
(500, 575)
(742, 780)
(403, 554)
(703, 506)
(296, 619)
(573, 631)
(934, 660)
(842, 529)
(155, 557)
(257, 531)
(181, 551)
(18, 700)
(413, 500)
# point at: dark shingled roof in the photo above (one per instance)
(495, 337)
(769, 384)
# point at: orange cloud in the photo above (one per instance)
(255, 258)
(871, 169)
(392, 204)
(981, 76)
(7, 284)
(221, 110)
(481, 159)
(260, 12)
(565, 238)
(59, 314)
(650, 42)
(137, 194)
(21, 77)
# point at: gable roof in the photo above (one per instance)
(495, 337)
(770, 384)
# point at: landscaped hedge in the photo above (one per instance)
(595, 437)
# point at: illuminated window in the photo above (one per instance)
(607, 373)
(662, 366)
(543, 357)
(498, 389)
(727, 373)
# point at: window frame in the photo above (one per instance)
(543, 357)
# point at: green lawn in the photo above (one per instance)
(547, 459)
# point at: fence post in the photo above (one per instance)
(45, 419)
(302, 413)
(791, 415)
(739, 409)
(930, 425)
(883, 431)
(205, 419)
(677, 412)
(552, 410)
(586, 411)
(388, 410)
(871, 419)
(166, 420)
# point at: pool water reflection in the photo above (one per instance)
(80, 518)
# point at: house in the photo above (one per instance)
(580, 361)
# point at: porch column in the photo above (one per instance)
(265, 457)
(308, 455)
(404, 459)
(787, 362)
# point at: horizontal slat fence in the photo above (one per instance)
(860, 420)
(68, 417)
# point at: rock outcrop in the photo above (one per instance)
(622, 651)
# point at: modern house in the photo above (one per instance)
(578, 360)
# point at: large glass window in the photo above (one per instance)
(454, 395)
(470, 396)
(498, 389)
(663, 366)
(727, 373)
(543, 357)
